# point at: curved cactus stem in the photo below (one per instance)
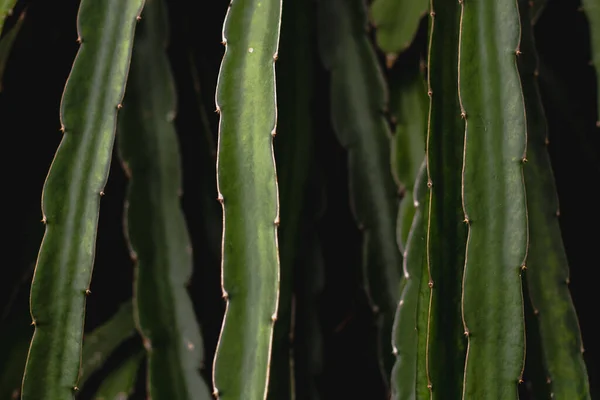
(494, 201)
(71, 196)
(547, 265)
(408, 107)
(409, 379)
(119, 384)
(99, 344)
(247, 190)
(396, 23)
(6, 7)
(294, 151)
(358, 100)
(592, 11)
(6, 43)
(155, 224)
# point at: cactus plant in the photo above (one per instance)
(443, 135)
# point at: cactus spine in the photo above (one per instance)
(156, 229)
(247, 190)
(71, 196)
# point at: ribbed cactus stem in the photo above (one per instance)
(248, 191)
(592, 11)
(494, 202)
(6, 7)
(547, 266)
(160, 244)
(71, 196)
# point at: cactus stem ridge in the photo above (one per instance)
(430, 190)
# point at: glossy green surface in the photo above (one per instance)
(493, 198)
(396, 22)
(71, 196)
(247, 187)
(358, 99)
(446, 231)
(156, 228)
(547, 265)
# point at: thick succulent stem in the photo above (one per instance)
(6, 43)
(247, 190)
(358, 100)
(446, 234)
(119, 384)
(592, 11)
(409, 379)
(547, 265)
(156, 229)
(71, 196)
(408, 107)
(99, 344)
(494, 201)
(6, 7)
(396, 22)
(294, 151)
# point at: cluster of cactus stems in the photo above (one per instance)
(450, 185)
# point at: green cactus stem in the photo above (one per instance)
(409, 378)
(247, 190)
(294, 151)
(495, 208)
(358, 102)
(6, 7)
(99, 344)
(396, 23)
(547, 265)
(446, 232)
(6, 44)
(120, 383)
(71, 196)
(156, 228)
(592, 11)
(408, 109)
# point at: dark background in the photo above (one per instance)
(29, 127)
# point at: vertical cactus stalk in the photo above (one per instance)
(6, 43)
(71, 196)
(358, 101)
(410, 379)
(396, 22)
(6, 7)
(155, 225)
(494, 201)
(247, 189)
(408, 107)
(445, 231)
(99, 344)
(294, 151)
(547, 265)
(120, 383)
(592, 11)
